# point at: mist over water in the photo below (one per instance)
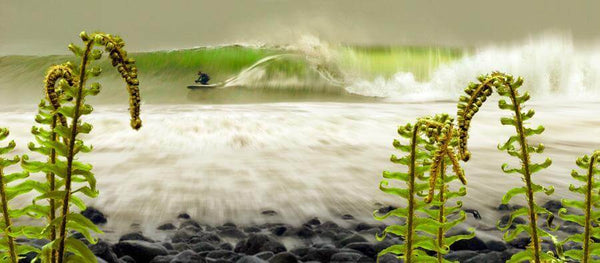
(314, 144)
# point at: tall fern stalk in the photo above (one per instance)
(591, 190)
(588, 208)
(5, 213)
(441, 217)
(70, 149)
(55, 73)
(469, 105)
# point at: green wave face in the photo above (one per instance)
(251, 74)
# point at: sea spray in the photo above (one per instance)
(552, 64)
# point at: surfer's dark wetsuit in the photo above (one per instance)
(203, 78)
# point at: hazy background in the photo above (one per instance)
(43, 27)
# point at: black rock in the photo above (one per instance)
(342, 257)
(205, 237)
(180, 246)
(521, 242)
(328, 235)
(127, 259)
(94, 215)
(183, 216)
(314, 221)
(167, 226)
(362, 226)
(323, 245)
(135, 236)
(163, 259)
(269, 213)
(516, 221)
(474, 243)
(182, 236)
(250, 259)
(388, 258)
(386, 209)
(365, 248)
(504, 207)
(265, 255)
(27, 258)
(257, 243)
(190, 222)
(320, 254)
(300, 251)
(548, 245)
(572, 245)
(553, 205)
(220, 254)
(251, 229)
(350, 239)
(571, 228)
(460, 255)
(347, 217)
(283, 257)
(496, 245)
(103, 250)
(279, 230)
(229, 224)
(507, 207)
(203, 246)
(226, 246)
(491, 257)
(232, 232)
(305, 232)
(141, 251)
(473, 212)
(187, 256)
(167, 245)
(329, 225)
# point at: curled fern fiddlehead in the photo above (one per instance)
(63, 113)
(424, 222)
(506, 86)
(590, 190)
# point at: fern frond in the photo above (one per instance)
(468, 106)
(429, 151)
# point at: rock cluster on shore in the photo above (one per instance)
(314, 241)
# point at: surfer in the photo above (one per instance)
(203, 78)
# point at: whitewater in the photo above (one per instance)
(223, 162)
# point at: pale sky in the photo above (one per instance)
(47, 26)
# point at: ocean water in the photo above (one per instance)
(322, 154)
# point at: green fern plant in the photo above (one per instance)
(507, 86)
(426, 220)
(590, 218)
(60, 142)
(7, 193)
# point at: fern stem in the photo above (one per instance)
(51, 179)
(11, 241)
(411, 195)
(526, 173)
(440, 234)
(71, 150)
(588, 210)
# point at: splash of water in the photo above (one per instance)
(551, 65)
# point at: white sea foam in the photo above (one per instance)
(551, 65)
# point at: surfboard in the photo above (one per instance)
(201, 86)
